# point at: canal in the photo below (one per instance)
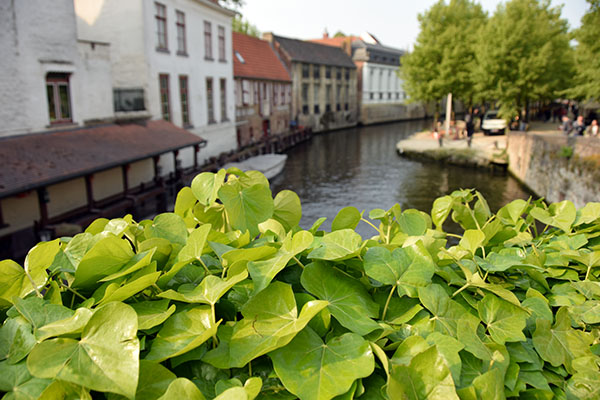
(360, 167)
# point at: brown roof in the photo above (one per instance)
(314, 53)
(260, 60)
(41, 159)
(335, 41)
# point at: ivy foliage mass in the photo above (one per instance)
(228, 298)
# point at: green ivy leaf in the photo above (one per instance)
(263, 272)
(18, 384)
(505, 322)
(270, 321)
(287, 209)
(105, 258)
(169, 226)
(472, 239)
(561, 215)
(348, 301)
(440, 210)
(561, 344)
(314, 370)
(346, 218)
(426, 377)
(337, 246)
(182, 388)
(247, 208)
(182, 332)
(206, 185)
(152, 313)
(105, 359)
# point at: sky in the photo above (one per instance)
(393, 22)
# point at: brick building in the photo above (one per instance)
(263, 90)
(323, 83)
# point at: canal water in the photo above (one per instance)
(360, 167)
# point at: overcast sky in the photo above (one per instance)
(393, 22)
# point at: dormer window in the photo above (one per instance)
(239, 57)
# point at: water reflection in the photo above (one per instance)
(359, 167)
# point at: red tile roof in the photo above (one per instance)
(335, 41)
(41, 159)
(260, 60)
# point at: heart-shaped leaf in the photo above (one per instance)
(105, 359)
(313, 370)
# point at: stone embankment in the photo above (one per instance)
(556, 167)
(485, 151)
(550, 164)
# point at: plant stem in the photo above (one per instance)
(369, 222)
(453, 235)
(37, 292)
(387, 302)
(466, 285)
(204, 265)
(299, 263)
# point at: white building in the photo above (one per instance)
(50, 79)
(171, 59)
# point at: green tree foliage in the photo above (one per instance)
(442, 58)
(523, 55)
(241, 25)
(339, 34)
(587, 55)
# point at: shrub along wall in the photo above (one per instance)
(228, 298)
(556, 167)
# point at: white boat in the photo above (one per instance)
(270, 165)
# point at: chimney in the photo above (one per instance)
(325, 34)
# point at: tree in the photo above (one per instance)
(443, 56)
(232, 3)
(239, 24)
(587, 54)
(523, 55)
(339, 34)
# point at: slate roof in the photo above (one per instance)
(314, 53)
(334, 41)
(36, 160)
(260, 60)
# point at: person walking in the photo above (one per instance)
(470, 127)
(566, 126)
(593, 130)
(579, 126)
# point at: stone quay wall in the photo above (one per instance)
(556, 167)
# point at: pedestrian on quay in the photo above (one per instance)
(566, 126)
(593, 130)
(469, 120)
(579, 126)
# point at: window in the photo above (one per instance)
(328, 72)
(209, 101)
(317, 89)
(389, 96)
(128, 100)
(305, 72)
(347, 73)
(246, 92)
(207, 41)
(164, 96)
(338, 90)
(256, 93)
(59, 99)
(328, 98)
(316, 71)
(338, 74)
(239, 57)
(282, 91)
(181, 42)
(275, 93)
(397, 96)
(305, 93)
(183, 94)
(371, 96)
(222, 44)
(223, 88)
(161, 27)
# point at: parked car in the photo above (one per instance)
(492, 123)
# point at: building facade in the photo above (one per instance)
(263, 90)
(50, 79)
(323, 83)
(65, 160)
(171, 59)
(380, 92)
